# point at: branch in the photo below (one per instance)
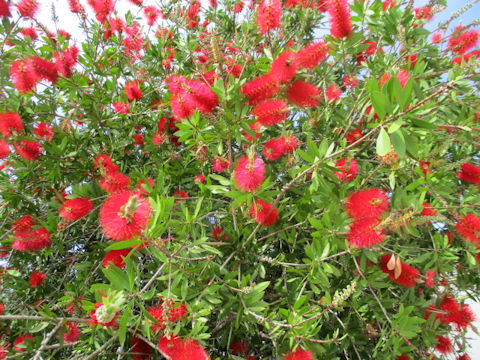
(41, 318)
(38, 354)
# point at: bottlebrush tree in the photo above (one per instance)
(226, 180)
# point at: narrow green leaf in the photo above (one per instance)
(124, 322)
(379, 102)
(399, 143)
(383, 143)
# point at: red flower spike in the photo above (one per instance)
(23, 76)
(270, 112)
(72, 332)
(220, 164)
(430, 278)
(403, 357)
(124, 215)
(37, 279)
(200, 178)
(264, 213)
(347, 169)
(408, 275)
(284, 67)
(31, 240)
(427, 210)
(303, 94)
(44, 69)
(291, 144)
(340, 21)
(470, 173)
(299, 354)
(29, 150)
(116, 257)
(464, 357)
(370, 203)
(2, 308)
(140, 350)
(260, 88)
(152, 14)
(175, 348)
(19, 342)
(333, 93)
(121, 107)
(353, 136)
(365, 233)
(269, 15)
(102, 317)
(132, 90)
(249, 173)
(239, 348)
(75, 7)
(29, 32)
(463, 40)
(114, 181)
(5, 8)
(28, 8)
(66, 60)
(141, 189)
(10, 123)
(469, 228)
(105, 163)
(44, 131)
(444, 345)
(74, 209)
(274, 149)
(312, 55)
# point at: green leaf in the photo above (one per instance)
(411, 145)
(399, 143)
(379, 102)
(424, 124)
(124, 244)
(383, 143)
(124, 322)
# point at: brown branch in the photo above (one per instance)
(41, 318)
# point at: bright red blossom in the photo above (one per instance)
(312, 55)
(469, 228)
(175, 348)
(116, 257)
(114, 181)
(72, 332)
(37, 278)
(18, 343)
(340, 21)
(269, 15)
(463, 40)
(44, 131)
(274, 149)
(249, 173)
(284, 67)
(74, 209)
(264, 213)
(347, 169)
(444, 345)
(28, 8)
(29, 150)
(10, 123)
(469, 173)
(365, 233)
(260, 88)
(408, 275)
(132, 90)
(167, 312)
(23, 76)
(369, 203)
(303, 94)
(299, 354)
(427, 210)
(270, 112)
(124, 215)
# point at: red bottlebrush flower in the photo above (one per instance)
(370, 203)
(141, 188)
(175, 348)
(74, 209)
(28, 8)
(21, 342)
(284, 67)
(105, 163)
(23, 76)
(102, 316)
(469, 228)
(44, 69)
(430, 278)
(151, 13)
(4, 149)
(44, 131)
(411, 59)
(461, 41)
(274, 149)
(299, 354)
(180, 194)
(403, 76)
(423, 13)
(115, 257)
(139, 349)
(121, 107)
(346, 171)
(114, 181)
(5, 8)
(365, 233)
(239, 6)
(444, 345)
(290, 144)
(4, 252)
(200, 96)
(333, 93)
(464, 357)
(269, 15)
(124, 215)
(427, 210)
(199, 179)
(10, 123)
(29, 150)
(102, 8)
(425, 167)
(264, 213)
(24, 224)
(389, 4)
(132, 90)
(136, 2)
(66, 60)
(72, 332)
(167, 312)
(469, 173)
(260, 88)
(437, 38)
(271, 112)
(455, 313)
(2, 308)
(29, 32)
(217, 231)
(37, 279)
(399, 272)
(340, 21)
(220, 164)
(181, 109)
(350, 82)
(75, 7)
(303, 94)
(249, 173)
(138, 139)
(239, 348)
(466, 58)
(312, 55)
(32, 239)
